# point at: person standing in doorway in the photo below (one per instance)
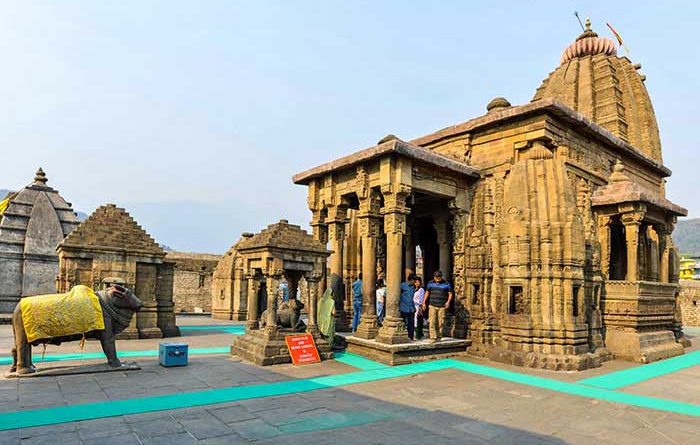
(381, 298)
(438, 295)
(356, 302)
(418, 298)
(406, 306)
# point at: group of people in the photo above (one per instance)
(416, 304)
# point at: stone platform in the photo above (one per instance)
(267, 347)
(643, 347)
(404, 353)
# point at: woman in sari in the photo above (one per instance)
(326, 315)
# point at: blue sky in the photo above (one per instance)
(195, 115)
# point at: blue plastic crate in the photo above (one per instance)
(172, 354)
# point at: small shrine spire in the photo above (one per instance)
(40, 177)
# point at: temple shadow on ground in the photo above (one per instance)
(323, 416)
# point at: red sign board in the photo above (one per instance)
(302, 349)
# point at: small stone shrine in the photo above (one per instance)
(110, 246)
(35, 221)
(280, 251)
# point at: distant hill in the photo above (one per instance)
(686, 235)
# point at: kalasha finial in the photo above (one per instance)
(40, 176)
(588, 24)
(618, 174)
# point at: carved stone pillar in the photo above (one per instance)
(336, 236)
(273, 278)
(664, 251)
(604, 238)
(369, 232)
(253, 288)
(393, 330)
(312, 287)
(319, 230)
(444, 239)
(632, 222)
(409, 253)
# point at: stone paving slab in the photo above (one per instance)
(442, 407)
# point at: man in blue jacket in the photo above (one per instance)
(406, 306)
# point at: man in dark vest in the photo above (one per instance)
(438, 295)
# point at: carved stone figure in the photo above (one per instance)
(118, 306)
(288, 315)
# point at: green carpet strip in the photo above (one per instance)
(357, 361)
(89, 411)
(122, 354)
(626, 377)
(580, 390)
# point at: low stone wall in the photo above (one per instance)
(192, 281)
(689, 300)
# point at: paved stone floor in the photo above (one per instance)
(448, 406)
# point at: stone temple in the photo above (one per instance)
(109, 246)
(35, 221)
(549, 218)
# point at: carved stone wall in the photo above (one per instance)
(689, 302)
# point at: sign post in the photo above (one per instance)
(302, 349)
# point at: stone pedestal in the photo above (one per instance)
(407, 352)
(643, 347)
(639, 317)
(267, 347)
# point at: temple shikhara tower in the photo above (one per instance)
(35, 221)
(549, 219)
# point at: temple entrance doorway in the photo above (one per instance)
(431, 229)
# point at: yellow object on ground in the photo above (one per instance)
(3, 205)
(48, 316)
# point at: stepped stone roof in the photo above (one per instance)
(621, 189)
(387, 145)
(281, 235)
(111, 228)
(592, 80)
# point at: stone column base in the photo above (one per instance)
(341, 321)
(368, 327)
(151, 333)
(392, 332)
(267, 347)
(642, 347)
(128, 334)
(239, 315)
(219, 314)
